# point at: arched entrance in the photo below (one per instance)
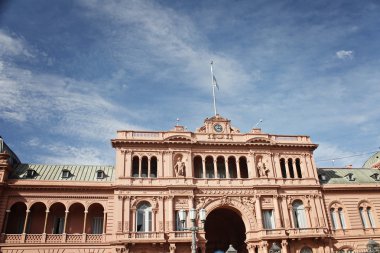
(223, 227)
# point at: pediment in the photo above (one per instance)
(259, 140)
(179, 138)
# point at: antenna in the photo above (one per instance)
(257, 124)
(177, 124)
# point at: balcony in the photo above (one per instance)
(306, 232)
(180, 236)
(52, 238)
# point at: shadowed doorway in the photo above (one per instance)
(224, 227)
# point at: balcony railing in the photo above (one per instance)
(53, 238)
(146, 235)
(306, 232)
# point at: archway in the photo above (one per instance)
(223, 227)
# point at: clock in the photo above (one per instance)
(218, 128)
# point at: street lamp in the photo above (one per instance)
(193, 228)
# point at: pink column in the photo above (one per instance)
(26, 221)
(204, 167)
(215, 168)
(277, 211)
(258, 213)
(238, 168)
(227, 168)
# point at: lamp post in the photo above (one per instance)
(194, 229)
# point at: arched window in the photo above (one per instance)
(298, 168)
(232, 167)
(290, 166)
(16, 219)
(210, 167)
(243, 167)
(299, 214)
(341, 218)
(135, 166)
(221, 167)
(153, 167)
(144, 166)
(198, 167)
(144, 217)
(283, 167)
(333, 219)
(366, 215)
(306, 250)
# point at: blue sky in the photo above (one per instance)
(74, 72)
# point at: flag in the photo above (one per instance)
(214, 82)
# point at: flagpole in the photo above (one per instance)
(213, 88)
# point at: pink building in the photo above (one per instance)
(257, 188)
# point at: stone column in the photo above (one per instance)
(119, 213)
(104, 221)
(258, 213)
(313, 167)
(140, 166)
(119, 163)
(65, 221)
(321, 218)
(170, 227)
(172, 248)
(285, 211)
(6, 221)
(252, 170)
(251, 247)
(227, 168)
(26, 221)
(238, 168)
(284, 246)
(149, 166)
(277, 211)
(204, 167)
(128, 163)
(154, 215)
(127, 213)
(162, 213)
(215, 168)
(84, 222)
(314, 212)
(318, 209)
(277, 165)
(306, 166)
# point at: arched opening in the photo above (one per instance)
(135, 166)
(144, 217)
(283, 168)
(298, 168)
(94, 223)
(232, 167)
(144, 166)
(56, 219)
(36, 219)
(243, 167)
(299, 214)
(290, 166)
(210, 167)
(198, 167)
(153, 167)
(221, 166)
(16, 219)
(224, 227)
(75, 219)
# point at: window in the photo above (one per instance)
(376, 176)
(179, 225)
(221, 167)
(100, 174)
(58, 225)
(97, 225)
(232, 167)
(283, 167)
(153, 167)
(366, 216)
(144, 218)
(350, 177)
(298, 168)
(362, 217)
(268, 219)
(210, 167)
(370, 217)
(198, 167)
(299, 215)
(341, 218)
(66, 174)
(30, 173)
(306, 250)
(333, 218)
(290, 166)
(243, 167)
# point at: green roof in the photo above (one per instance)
(372, 160)
(349, 176)
(86, 173)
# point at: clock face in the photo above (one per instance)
(218, 128)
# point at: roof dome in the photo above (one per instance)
(373, 161)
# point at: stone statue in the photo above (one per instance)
(262, 168)
(179, 168)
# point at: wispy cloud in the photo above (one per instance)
(12, 45)
(343, 54)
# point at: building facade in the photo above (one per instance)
(257, 188)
